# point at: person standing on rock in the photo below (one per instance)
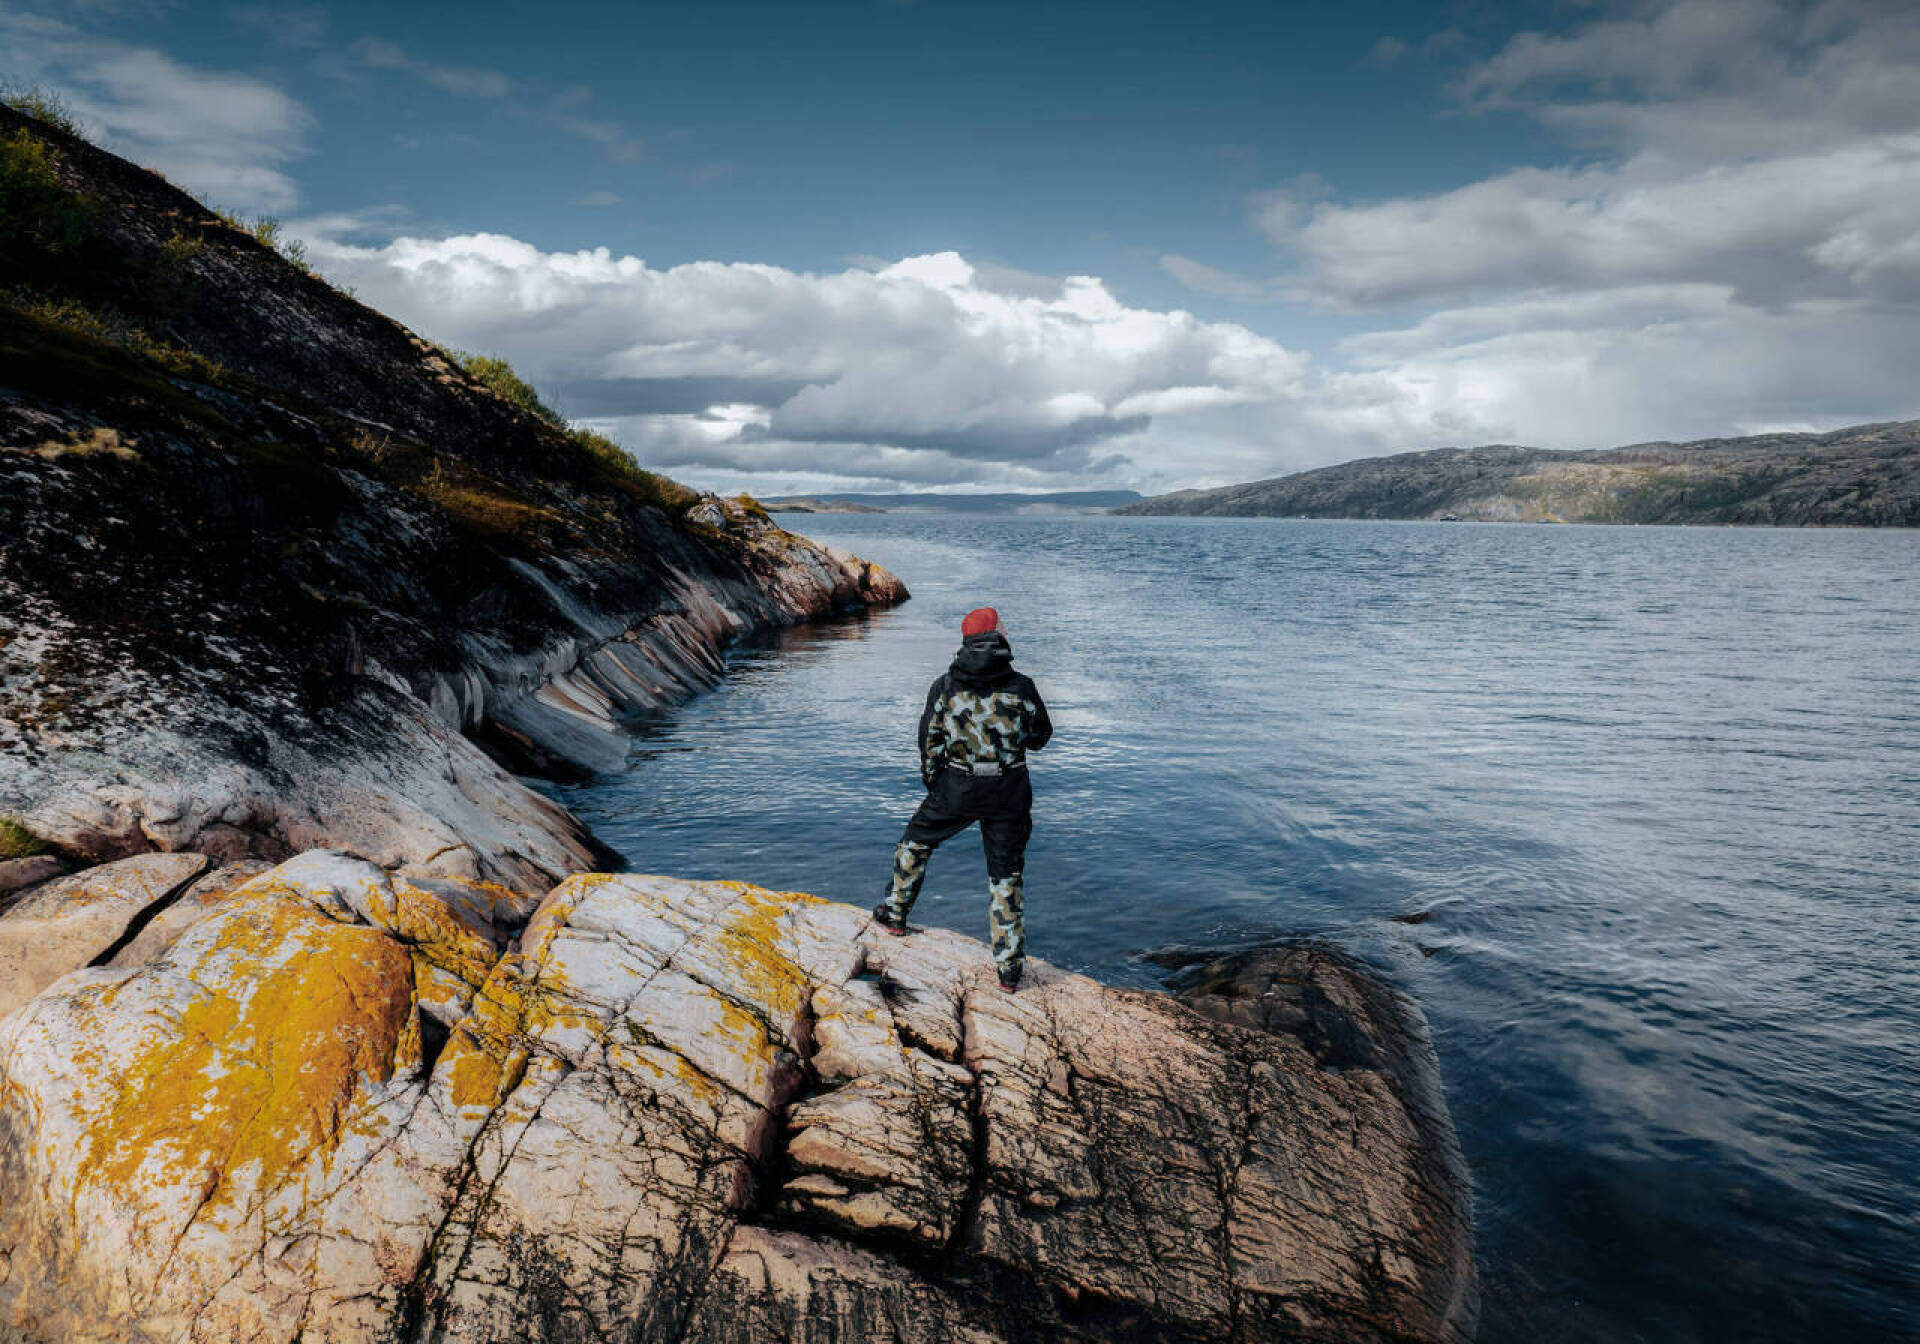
(981, 720)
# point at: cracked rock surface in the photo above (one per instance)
(344, 1105)
(50, 929)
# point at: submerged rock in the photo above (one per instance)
(349, 1106)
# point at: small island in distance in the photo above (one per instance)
(810, 504)
(1862, 476)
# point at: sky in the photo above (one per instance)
(924, 244)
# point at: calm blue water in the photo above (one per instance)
(1658, 788)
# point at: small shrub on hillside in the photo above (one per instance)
(42, 105)
(621, 471)
(490, 513)
(265, 230)
(499, 377)
(40, 216)
(118, 330)
(177, 254)
(632, 479)
(378, 448)
(171, 285)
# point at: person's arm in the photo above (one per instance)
(1040, 730)
(932, 734)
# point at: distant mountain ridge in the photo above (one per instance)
(1061, 501)
(1861, 476)
(811, 504)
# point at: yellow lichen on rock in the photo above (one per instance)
(451, 959)
(238, 1139)
(522, 996)
(266, 1064)
(752, 937)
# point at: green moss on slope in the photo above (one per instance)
(17, 842)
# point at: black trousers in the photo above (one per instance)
(1003, 807)
(957, 801)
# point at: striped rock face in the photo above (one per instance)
(346, 1106)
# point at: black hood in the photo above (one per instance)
(983, 662)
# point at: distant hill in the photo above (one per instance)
(1863, 476)
(1064, 501)
(808, 504)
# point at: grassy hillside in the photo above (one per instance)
(262, 547)
(1864, 476)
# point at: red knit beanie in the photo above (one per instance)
(979, 621)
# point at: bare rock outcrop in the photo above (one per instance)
(345, 1105)
(57, 926)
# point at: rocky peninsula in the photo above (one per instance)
(276, 572)
(315, 1024)
(1864, 476)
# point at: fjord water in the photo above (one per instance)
(1652, 794)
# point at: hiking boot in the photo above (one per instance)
(1009, 978)
(883, 916)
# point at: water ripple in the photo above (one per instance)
(1657, 790)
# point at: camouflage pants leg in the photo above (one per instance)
(909, 871)
(1005, 840)
(930, 825)
(1007, 923)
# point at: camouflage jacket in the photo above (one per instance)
(981, 710)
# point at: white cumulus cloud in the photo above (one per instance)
(1742, 247)
(926, 370)
(228, 136)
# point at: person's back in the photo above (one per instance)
(980, 721)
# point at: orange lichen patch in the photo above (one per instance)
(266, 1064)
(750, 940)
(425, 922)
(665, 1065)
(488, 1054)
(735, 1023)
(488, 895)
(439, 989)
(521, 998)
(740, 1026)
(475, 1075)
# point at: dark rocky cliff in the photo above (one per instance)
(274, 570)
(1865, 476)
